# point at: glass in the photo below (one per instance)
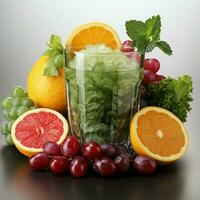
(103, 91)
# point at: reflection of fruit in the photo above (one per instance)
(34, 128)
(93, 33)
(159, 134)
(46, 91)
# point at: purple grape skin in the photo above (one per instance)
(144, 165)
(39, 161)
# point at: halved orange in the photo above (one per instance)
(159, 134)
(36, 127)
(93, 33)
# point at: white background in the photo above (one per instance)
(26, 25)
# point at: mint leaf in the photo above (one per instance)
(164, 46)
(55, 42)
(50, 71)
(151, 45)
(135, 29)
(48, 52)
(146, 35)
(141, 45)
(153, 26)
(55, 56)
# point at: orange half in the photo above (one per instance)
(159, 134)
(93, 33)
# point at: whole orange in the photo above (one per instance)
(46, 91)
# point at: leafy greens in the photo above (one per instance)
(172, 94)
(103, 93)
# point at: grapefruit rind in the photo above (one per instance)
(27, 151)
(90, 25)
(141, 149)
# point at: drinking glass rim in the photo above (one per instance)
(118, 52)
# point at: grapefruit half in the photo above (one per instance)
(36, 127)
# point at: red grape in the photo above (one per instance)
(127, 43)
(127, 49)
(127, 46)
(70, 147)
(122, 163)
(39, 161)
(59, 164)
(128, 155)
(78, 166)
(159, 77)
(149, 77)
(151, 64)
(144, 165)
(104, 166)
(119, 150)
(91, 150)
(109, 150)
(52, 149)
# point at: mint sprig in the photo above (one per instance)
(55, 56)
(146, 35)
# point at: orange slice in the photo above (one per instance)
(159, 134)
(93, 33)
(36, 127)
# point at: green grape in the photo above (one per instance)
(32, 108)
(17, 101)
(6, 114)
(7, 103)
(9, 125)
(13, 113)
(18, 92)
(21, 110)
(9, 139)
(27, 102)
(4, 128)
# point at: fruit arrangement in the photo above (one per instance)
(97, 118)
(14, 106)
(105, 160)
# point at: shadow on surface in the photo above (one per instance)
(166, 183)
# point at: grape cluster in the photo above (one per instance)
(14, 106)
(106, 159)
(151, 67)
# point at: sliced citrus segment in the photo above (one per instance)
(93, 33)
(159, 134)
(36, 127)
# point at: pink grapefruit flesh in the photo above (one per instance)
(36, 127)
